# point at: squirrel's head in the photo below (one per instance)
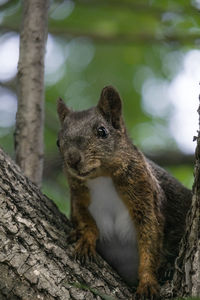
(90, 139)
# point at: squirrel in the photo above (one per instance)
(125, 207)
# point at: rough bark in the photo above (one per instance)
(30, 115)
(186, 279)
(36, 261)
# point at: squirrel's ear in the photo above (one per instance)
(110, 105)
(62, 110)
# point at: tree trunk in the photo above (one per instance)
(30, 115)
(187, 274)
(36, 261)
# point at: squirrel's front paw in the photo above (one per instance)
(148, 290)
(85, 249)
(166, 272)
(73, 236)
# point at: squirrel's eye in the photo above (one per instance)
(102, 132)
(58, 144)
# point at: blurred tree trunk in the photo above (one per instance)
(30, 115)
(187, 274)
(35, 260)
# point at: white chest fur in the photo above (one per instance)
(117, 243)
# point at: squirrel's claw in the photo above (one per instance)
(166, 272)
(148, 291)
(73, 236)
(85, 251)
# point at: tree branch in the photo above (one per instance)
(171, 158)
(141, 7)
(118, 38)
(128, 39)
(53, 164)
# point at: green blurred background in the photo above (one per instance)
(148, 50)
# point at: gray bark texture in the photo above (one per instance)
(30, 115)
(186, 279)
(36, 261)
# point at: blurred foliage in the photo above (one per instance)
(184, 173)
(93, 43)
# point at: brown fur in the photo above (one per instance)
(157, 203)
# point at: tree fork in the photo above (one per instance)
(36, 261)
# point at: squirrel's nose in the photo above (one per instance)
(74, 158)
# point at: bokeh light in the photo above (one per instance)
(176, 100)
(8, 108)
(9, 53)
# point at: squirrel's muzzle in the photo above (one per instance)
(74, 158)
